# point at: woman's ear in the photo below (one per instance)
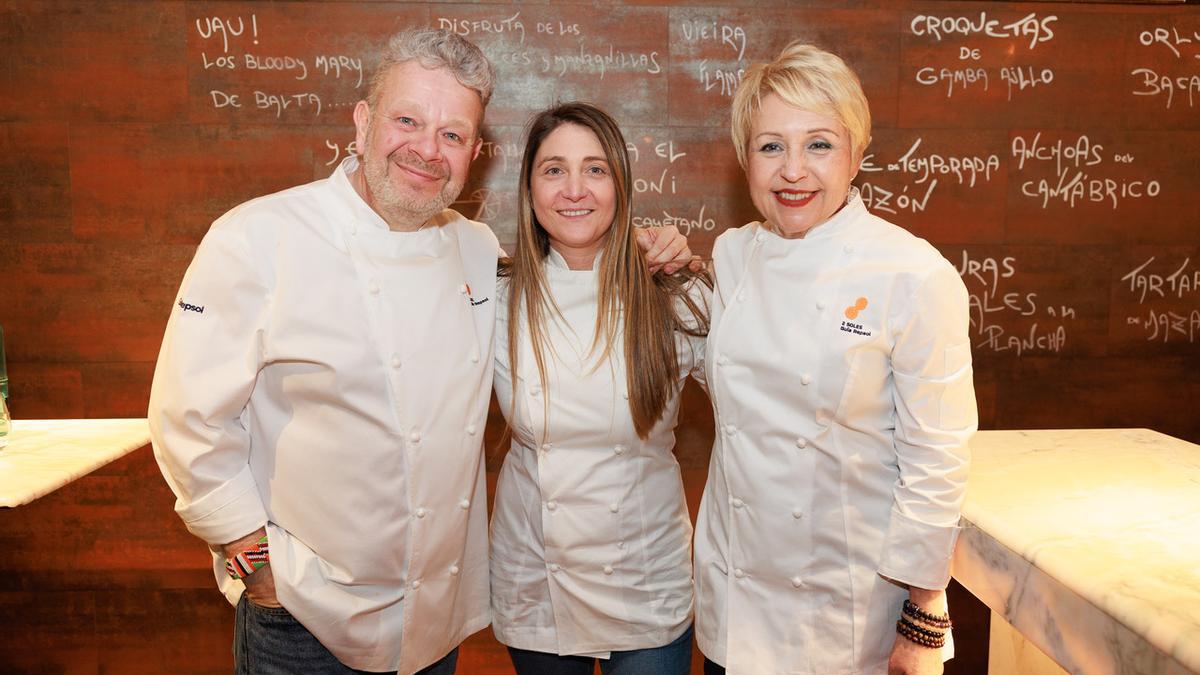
(857, 159)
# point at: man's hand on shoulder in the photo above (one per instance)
(666, 249)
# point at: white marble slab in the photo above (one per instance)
(1088, 542)
(44, 455)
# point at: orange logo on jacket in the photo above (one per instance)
(853, 310)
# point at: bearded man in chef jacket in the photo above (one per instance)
(320, 397)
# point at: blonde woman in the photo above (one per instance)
(840, 370)
(591, 554)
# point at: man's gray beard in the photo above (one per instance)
(398, 209)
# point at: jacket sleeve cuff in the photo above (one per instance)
(229, 512)
(917, 553)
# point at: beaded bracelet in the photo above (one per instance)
(249, 561)
(927, 632)
(914, 633)
(923, 641)
(911, 609)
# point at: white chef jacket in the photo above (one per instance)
(328, 378)
(591, 540)
(840, 369)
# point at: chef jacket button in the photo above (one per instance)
(760, 236)
(801, 442)
(724, 361)
(797, 514)
(535, 391)
(454, 570)
(621, 545)
(737, 503)
(464, 504)
(806, 379)
(822, 419)
(551, 505)
(741, 296)
(625, 395)
(797, 582)
(373, 288)
(462, 290)
(416, 584)
(608, 569)
(474, 357)
(352, 229)
(421, 512)
(415, 436)
(730, 430)
(395, 361)
(471, 429)
(614, 507)
(739, 573)
(848, 248)
(546, 447)
(554, 567)
(619, 449)
(820, 304)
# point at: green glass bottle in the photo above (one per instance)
(5, 419)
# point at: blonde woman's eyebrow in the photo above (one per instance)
(806, 132)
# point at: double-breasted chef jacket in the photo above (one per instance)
(329, 378)
(839, 366)
(591, 539)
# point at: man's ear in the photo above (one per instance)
(478, 147)
(362, 120)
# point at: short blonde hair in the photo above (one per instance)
(805, 77)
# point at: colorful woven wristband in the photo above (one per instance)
(249, 561)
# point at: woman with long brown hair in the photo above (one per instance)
(590, 531)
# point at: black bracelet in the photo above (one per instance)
(927, 632)
(911, 609)
(906, 630)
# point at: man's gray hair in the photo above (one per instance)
(437, 49)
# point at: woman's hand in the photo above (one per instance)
(910, 658)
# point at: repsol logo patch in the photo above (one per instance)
(189, 307)
(465, 289)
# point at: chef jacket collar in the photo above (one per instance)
(556, 266)
(838, 224)
(361, 212)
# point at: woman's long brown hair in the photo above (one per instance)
(650, 319)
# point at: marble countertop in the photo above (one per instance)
(44, 455)
(1088, 542)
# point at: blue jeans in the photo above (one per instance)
(270, 641)
(671, 659)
